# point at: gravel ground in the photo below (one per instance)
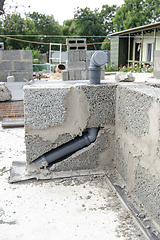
(75, 208)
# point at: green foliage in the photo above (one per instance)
(134, 13)
(89, 23)
(106, 44)
(95, 23)
(110, 67)
(137, 68)
(107, 13)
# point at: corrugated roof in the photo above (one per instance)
(149, 26)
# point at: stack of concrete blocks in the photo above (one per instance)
(17, 63)
(77, 60)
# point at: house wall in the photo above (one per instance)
(115, 51)
(148, 38)
(158, 41)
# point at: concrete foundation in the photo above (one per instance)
(55, 115)
(128, 118)
(137, 143)
(17, 63)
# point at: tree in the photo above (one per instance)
(134, 13)
(12, 25)
(106, 44)
(89, 23)
(45, 25)
(6, 8)
(107, 13)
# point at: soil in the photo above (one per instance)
(49, 76)
(64, 209)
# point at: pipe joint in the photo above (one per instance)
(98, 59)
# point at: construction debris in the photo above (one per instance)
(5, 93)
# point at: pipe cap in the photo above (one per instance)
(99, 58)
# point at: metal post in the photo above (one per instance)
(129, 45)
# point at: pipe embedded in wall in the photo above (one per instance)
(98, 59)
(66, 149)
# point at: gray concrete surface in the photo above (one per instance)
(129, 119)
(137, 142)
(74, 208)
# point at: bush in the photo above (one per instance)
(137, 68)
(110, 67)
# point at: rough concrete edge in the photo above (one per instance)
(138, 222)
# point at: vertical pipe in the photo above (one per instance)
(98, 59)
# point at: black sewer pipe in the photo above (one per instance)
(98, 59)
(66, 149)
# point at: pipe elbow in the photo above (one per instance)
(92, 134)
(98, 59)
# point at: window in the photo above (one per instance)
(150, 52)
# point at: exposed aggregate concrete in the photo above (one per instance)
(75, 208)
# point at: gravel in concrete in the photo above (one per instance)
(64, 209)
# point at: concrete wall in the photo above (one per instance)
(56, 114)
(17, 63)
(128, 117)
(156, 71)
(138, 143)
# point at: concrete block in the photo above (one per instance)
(77, 75)
(11, 55)
(100, 96)
(76, 56)
(10, 79)
(22, 76)
(84, 75)
(132, 112)
(71, 75)
(76, 65)
(82, 55)
(65, 75)
(4, 75)
(55, 115)
(6, 65)
(137, 143)
(5, 93)
(76, 44)
(89, 55)
(22, 66)
(70, 56)
(27, 55)
(87, 64)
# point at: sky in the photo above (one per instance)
(63, 9)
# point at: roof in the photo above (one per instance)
(137, 29)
